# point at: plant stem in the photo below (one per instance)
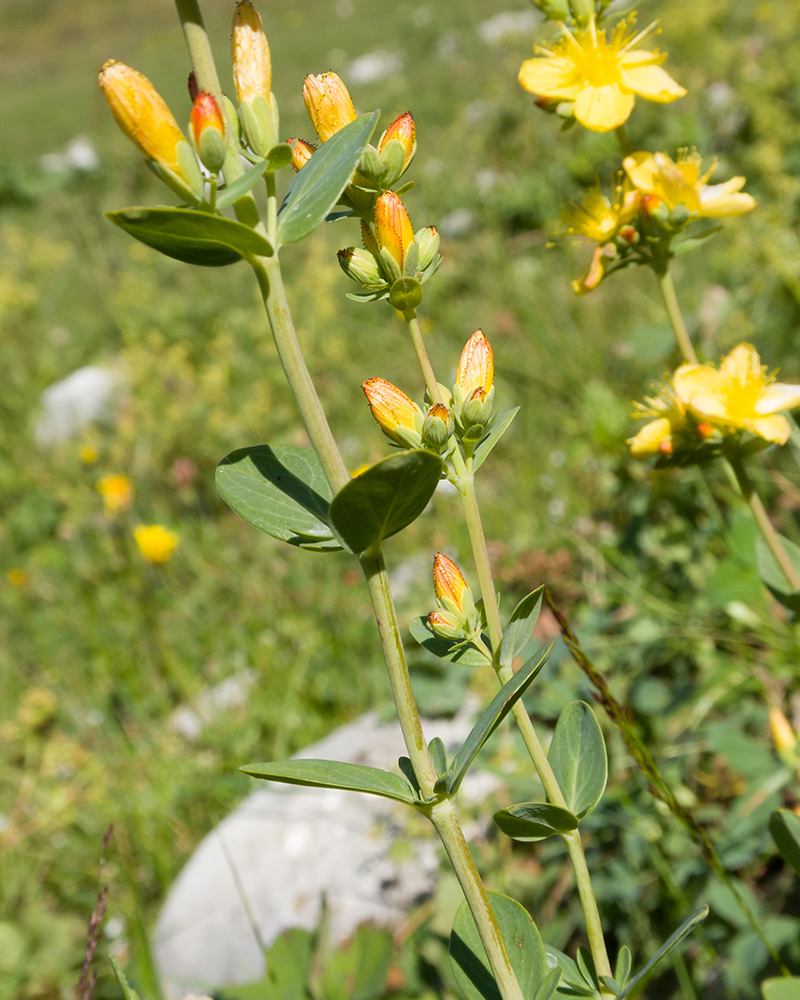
(624, 145)
(422, 356)
(761, 517)
(675, 315)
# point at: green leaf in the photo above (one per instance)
(570, 984)
(667, 947)
(288, 962)
(357, 970)
(785, 829)
(318, 185)
(279, 156)
(446, 649)
(773, 576)
(578, 758)
(280, 490)
(529, 821)
(385, 498)
(194, 237)
(232, 192)
(438, 753)
(491, 717)
(334, 774)
(525, 949)
(622, 968)
(688, 243)
(519, 629)
(485, 445)
(127, 991)
(548, 986)
(781, 988)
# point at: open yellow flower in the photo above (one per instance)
(658, 437)
(601, 73)
(155, 542)
(598, 217)
(682, 183)
(739, 395)
(117, 493)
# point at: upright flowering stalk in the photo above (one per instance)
(144, 117)
(252, 77)
(596, 77)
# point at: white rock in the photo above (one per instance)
(75, 402)
(79, 155)
(373, 66)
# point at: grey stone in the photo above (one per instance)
(74, 402)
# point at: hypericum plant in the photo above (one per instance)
(306, 497)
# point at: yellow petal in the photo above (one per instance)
(595, 274)
(549, 76)
(697, 386)
(776, 429)
(778, 396)
(722, 206)
(602, 109)
(647, 442)
(642, 169)
(742, 364)
(649, 81)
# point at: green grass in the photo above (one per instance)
(660, 582)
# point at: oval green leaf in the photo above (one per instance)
(519, 629)
(192, 236)
(784, 826)
(280, 490)
(446, 649)
(318, 185)
(529, 821)
(385, 498)
(578, 758)
(334, 774)
(781, 988)
(523, 943)
(485, 445)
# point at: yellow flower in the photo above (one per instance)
(398, 417)
(18, 578)
(682, 183)
(142, 115)
(328, 104)
(117, 493)
(155, 542)
(599, 218)
(739, 396)
(601, 74)
(252, 66)
(89, 454)
(660, 435)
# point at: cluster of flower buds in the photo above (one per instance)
(405, 423)
(703, 404)
(330, 108)
(457, 616)
(395, 261)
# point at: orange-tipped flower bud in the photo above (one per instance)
(328, 104)
(782, 732)
(476, 366)
(142, 115)
(705, 429)
(446, 625)
(360, 266)
(398, 417)
(649, 204)
(252, 66)
(439, 426)
(301, 152)
(393, 227)
(629, 234)
(665, 446)
(403, 131)
(208, 129)
(449, 583)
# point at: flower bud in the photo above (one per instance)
(328, 104)
(477, 408)
(393, 228)
(252, 76)
(438, 427)
(629, 235)
(556, 10)
(397, 147)
(782, 733)
(208, 129)
(301, 153)
(476, 365)
(446, 625)
(399, 418)
(650, 204)
(147, 121)
(449, 583)
(428, 244)
(360, 265)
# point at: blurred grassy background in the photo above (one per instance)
(657, 570)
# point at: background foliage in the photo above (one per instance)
(657, 571)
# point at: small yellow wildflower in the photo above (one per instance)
(155, 542)
(682, 183)
(18, 578)
(601, 74)
(89, 454)
(739, 396)
(599, 218)
(659, 437)
(117, 493)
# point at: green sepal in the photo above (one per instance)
(192, 236)
(491, 717)
(520, 627)
(497, 430)
(334, 774)
(385, 498)
(410, 262)
(446, 649)
(531, 821)
(405, 293)
(784, 826)
(390, 266)
(523, 944)
(578, 758)
(280, 490)
(392, 157)
(405, 188)
(318, 185)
